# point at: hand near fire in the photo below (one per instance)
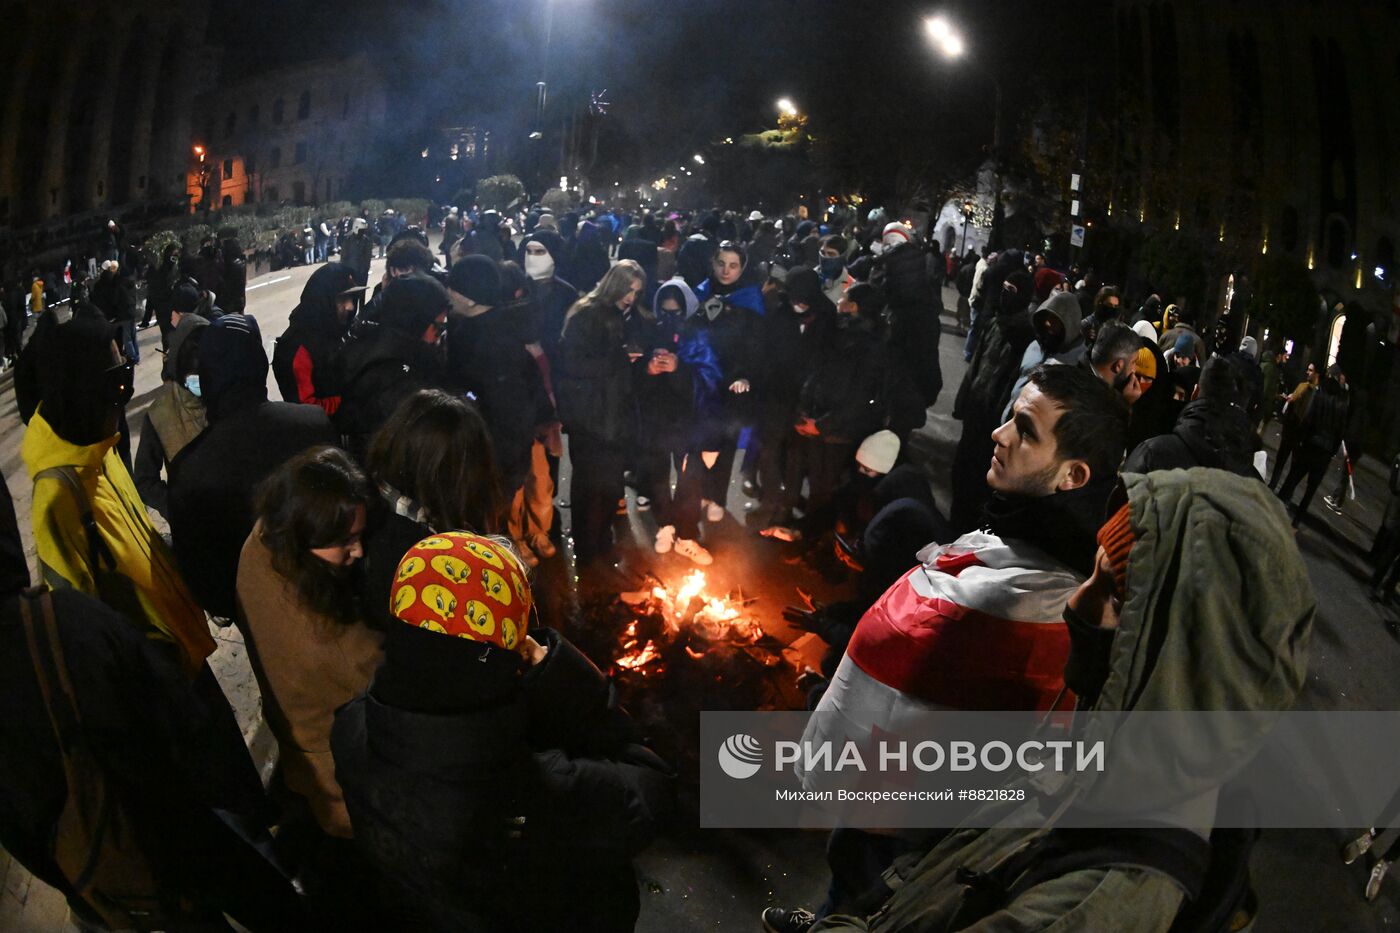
(663, 362)
(534, 651)
(739, 386)
(782, 533)
(807, 427)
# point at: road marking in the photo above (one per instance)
(273, 282)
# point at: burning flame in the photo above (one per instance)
(689, 606)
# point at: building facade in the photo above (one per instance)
(295, 134)
(100, 117)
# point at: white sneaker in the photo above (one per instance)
(714, 512)
(692, 550)
(665, 538)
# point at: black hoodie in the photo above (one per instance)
(312, 337)
(1209, 433)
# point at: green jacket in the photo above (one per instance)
(1218, 617)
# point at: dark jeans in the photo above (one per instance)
(773, 454)
(1309, 461)
(716, 478)
(1289, 437)
(128, 338)
(593, 492)
(857, 860)
(821, 464)
(679, 507)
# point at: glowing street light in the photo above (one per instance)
(944, 36)
(699, 159)
(787, 107)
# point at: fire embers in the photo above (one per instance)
(685, 617)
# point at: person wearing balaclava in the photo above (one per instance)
(1058, 339)
(211, 488)
(384, 362)
(795, 335)
(832, 267)
(542, 258)
(67, 449)
(487, 357)
(986, 386)
(478, 723)
(1144, 639)
(314, 334)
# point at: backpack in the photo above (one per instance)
(94, 845)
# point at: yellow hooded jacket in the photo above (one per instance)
(161, 602)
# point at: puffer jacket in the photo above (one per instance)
(373, 373)
(914, 304)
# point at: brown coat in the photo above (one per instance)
(307, 667)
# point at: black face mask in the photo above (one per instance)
(1087, 667)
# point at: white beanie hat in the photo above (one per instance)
(878, 452)
(1145, 329)
(897, 233)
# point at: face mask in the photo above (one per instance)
(831, 266)
(539, 267)
(1087, 667)
(192, 383)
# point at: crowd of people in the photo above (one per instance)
(447, 758)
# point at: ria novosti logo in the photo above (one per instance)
(740, 756)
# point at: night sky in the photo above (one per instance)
(683, 73)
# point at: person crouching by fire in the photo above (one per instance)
(488, 775)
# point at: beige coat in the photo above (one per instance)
(307, 667)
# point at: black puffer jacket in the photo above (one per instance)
(914, 304)
(377, 369)
(486, 356)
(666, 407)
(593, 389)
(1208, 434)
(435, 786)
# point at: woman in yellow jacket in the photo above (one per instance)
(91, 529)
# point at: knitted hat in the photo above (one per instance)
(1185, 345)
(878, 452)
(1249, 347)
(755, 216)
(1146, 364)
(465, 585)
(897, 233)
(184, 298)
(1145, 329)
(476, 278)
(1116, 538)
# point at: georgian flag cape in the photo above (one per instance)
(976, 626)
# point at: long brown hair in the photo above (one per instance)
(311, 501)
(611, 289)
(437, 451)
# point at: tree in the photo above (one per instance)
(1175, 263)
(499, 192)
(557, 201)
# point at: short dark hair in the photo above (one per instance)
(1093, 423)
(833, 241)
(1115, 341)
(1221, 381)
(730, 246)
(410, 254)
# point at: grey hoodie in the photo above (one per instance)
(692, 303)
(1065, 307)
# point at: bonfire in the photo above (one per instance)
(686, 615)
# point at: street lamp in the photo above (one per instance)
(946, 38)
(787, 108)
(699, 159)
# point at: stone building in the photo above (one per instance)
(294, 134)
(96, 117)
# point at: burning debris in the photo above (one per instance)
(687, 617)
